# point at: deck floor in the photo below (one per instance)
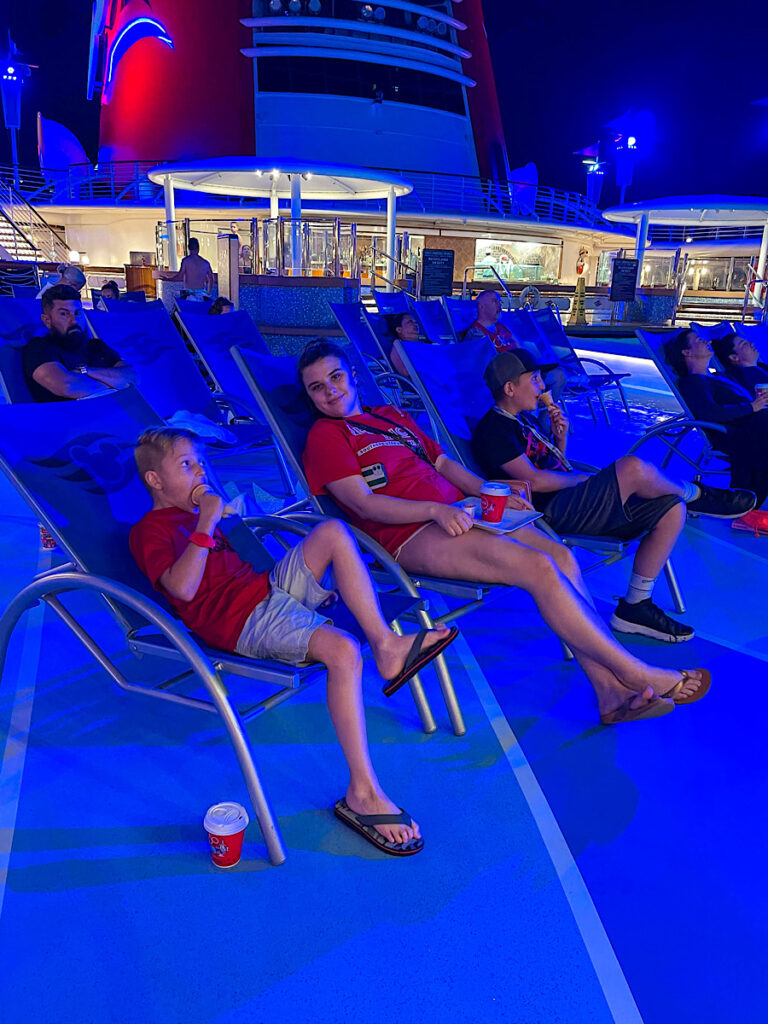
(571, 873)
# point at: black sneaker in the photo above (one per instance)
(722, 504)
(647, 619)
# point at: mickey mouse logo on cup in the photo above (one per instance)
(493, 499)
(225, 824)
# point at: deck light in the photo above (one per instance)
(689, 238)
(314, 6)
(74, 256)
(275, 6)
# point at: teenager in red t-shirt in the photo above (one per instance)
(401, 487)
(216, 594)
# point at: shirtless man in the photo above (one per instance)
(195, 273)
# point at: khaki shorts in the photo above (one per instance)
(279, 627)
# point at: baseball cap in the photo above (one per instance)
(511, 364)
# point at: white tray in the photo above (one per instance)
(512, 519)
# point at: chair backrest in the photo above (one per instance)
(392, 302)
(73, 463)
(710, 333)
(434, 321)
(522, 327)
(274, 383)
(168, 376)
(131, 304)
(19, 321)
(24, 291)
(461, 312)
(553, 333)
(13, 383)
(214, 336)
(758, 335)
(653, 344)
(449, 379)
(350, 317)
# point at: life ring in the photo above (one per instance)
(530, 298)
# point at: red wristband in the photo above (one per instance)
(201, 539)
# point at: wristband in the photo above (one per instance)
(202, 540)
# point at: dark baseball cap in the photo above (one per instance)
(512, 364)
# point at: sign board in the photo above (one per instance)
(624, 280)
(437, 271)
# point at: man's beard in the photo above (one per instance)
(70, 340)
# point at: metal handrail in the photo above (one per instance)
(33, 229)
(393, 260)
(752, 293)
(494, 271)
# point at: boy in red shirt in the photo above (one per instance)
(179, 547)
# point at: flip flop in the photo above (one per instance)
(655, 708)
(365, 825)
(417, 659)
(698, 693)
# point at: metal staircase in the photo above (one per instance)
(24, 234)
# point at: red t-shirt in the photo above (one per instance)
(338, 448)
(500, 335)
(228, 591)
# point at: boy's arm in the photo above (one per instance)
(183, 579)
(541, 480)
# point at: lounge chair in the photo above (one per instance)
(392, 302)
(73, 464)
(19, 321)
(129, 304)
(435, 322)
(350, 317)
(275, 386)
(713, 331)
(449, 379)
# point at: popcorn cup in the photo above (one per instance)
(493, 500)
(225, 824)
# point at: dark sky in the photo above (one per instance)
(563, 69)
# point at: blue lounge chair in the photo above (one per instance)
(713, 331)
(350, 317)
(19, 321)
(758, 335)
(392, 302)
(462, 313)
(130, 304)
(449, 379)
(212, 337)
(435, 322)
(190, 306)
(24, 291)
(73, 464)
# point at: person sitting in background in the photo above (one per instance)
(221, 305)
(629, 499)
(195, 274)
(179, 546)
(398, 486)
(109, 290)
(716, 398)
(69, 275)
(65, 363)
(739, 358)
(488, 325)
(405, 327)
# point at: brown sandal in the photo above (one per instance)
(655, 708)
(701, 691)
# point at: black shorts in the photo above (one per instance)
(594, 509)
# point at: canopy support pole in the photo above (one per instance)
(760, 289)
(170, 222)
(296, 225)
(642, 241)
(391, 237)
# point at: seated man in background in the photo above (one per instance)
(398, 486)
(69, 275)
(715, 398)
(178, 545)
(65, 363)
(488, 325)
(627, 500)
(740, 360)
(195, 273)
(405, 327)
(221, 305)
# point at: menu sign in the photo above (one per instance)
(437, 271)
(624, 280)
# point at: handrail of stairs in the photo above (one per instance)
(46, 243)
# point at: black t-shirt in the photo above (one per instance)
(72, 351)
(749, 376)
(498, 439)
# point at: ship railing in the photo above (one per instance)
(33, 237)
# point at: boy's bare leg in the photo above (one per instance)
(332, 545)
(340, 652)
(481, 556)
(656, 547)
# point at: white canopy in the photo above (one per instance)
(711, 210)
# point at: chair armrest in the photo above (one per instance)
(676, 423)
(233, 404)
(606, 369)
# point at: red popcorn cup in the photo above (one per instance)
(493, 499)
(225, 824)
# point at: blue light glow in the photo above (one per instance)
(133, 32)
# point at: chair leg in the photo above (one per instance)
(291, 488)
(674, 588)
(601, 400)
(445, 681)
(591, 409)
(624, 400)
(428, 723)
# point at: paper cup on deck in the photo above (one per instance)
(493, 499)
(225, 824)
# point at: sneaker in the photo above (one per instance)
(722, 504)
(756, 522)
(647, 619)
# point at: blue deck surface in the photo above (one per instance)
(569, 872)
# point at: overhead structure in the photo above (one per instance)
(273, 179)
(698, 211)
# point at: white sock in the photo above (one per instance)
(691, 491)
(640, 588)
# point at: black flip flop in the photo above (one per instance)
(365, 825)
(417, 658)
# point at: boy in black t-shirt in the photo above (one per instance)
(626, 500)
(65, 363)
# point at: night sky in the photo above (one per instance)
(563, 70)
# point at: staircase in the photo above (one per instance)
(709, 309)
(24, 234)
